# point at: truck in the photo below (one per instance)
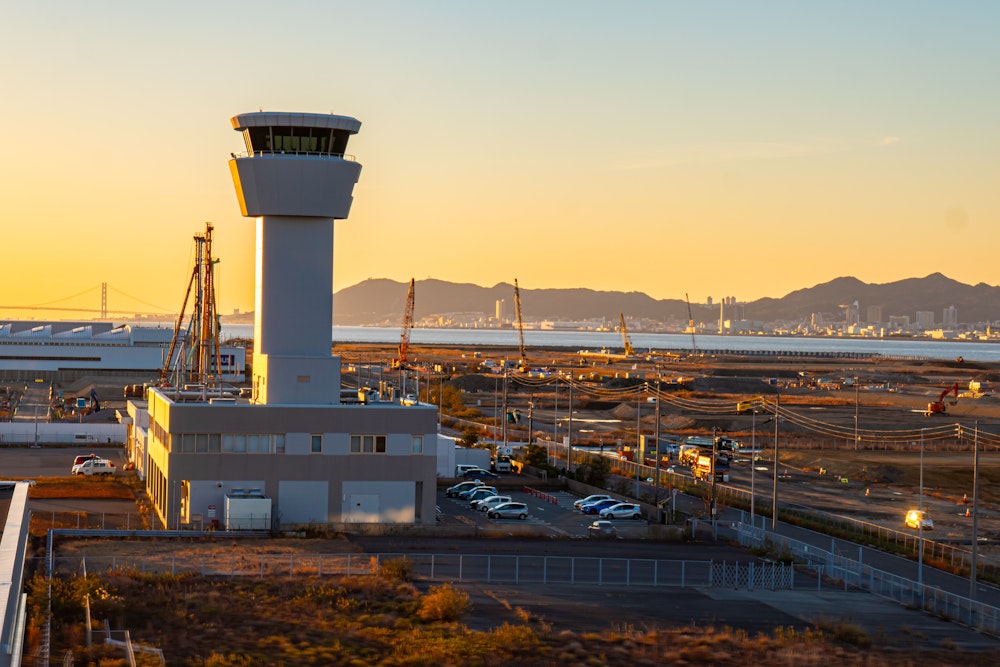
(719, 443)
(703, 468)
(688, 454)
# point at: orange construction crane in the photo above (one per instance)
(523, 364)
(404, 338)
(938, 406)
(626, 341)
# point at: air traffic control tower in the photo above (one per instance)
(295, 179)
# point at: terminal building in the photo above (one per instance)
(64, 351)
(290, 453)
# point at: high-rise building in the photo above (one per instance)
(925, 319)
(950, 317)
(874, 314)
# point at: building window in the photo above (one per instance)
(317, 444)
(368, 444)
(418, 444)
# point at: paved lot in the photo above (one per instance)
(48, 461)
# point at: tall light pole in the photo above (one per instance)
(715, 454)
(975, 514)
(857, 397)
(656, 487)
(569, 428)
(638, 439)
(920, 529)
(555, 413)
(753, 456)
(774, 490)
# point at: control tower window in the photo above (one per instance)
(285, 139)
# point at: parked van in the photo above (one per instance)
(462, 467)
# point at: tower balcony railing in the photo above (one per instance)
(268, 153)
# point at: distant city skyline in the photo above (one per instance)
(722, 149)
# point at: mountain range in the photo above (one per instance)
(379, 301)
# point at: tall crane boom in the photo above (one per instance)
(694, 346)
(520, 327)
(626, 341)
(200, 360)
(404, 337)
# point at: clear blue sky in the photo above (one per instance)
(715, 148)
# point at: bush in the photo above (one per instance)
(444, 603)
(398, 569)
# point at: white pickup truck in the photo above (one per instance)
(94, 467)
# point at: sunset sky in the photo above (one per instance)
(715, 148)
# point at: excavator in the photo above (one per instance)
(938, 406)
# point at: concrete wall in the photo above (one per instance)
(24, 433)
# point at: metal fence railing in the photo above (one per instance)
(490, 568)
(977, 615)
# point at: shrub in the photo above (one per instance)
(399, 569)
(444, 603)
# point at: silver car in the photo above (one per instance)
(486, 503)
(509, 511)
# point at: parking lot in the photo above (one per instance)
(548, 512)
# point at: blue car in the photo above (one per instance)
(595, 508)
(479, 473)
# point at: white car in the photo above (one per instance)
(590, 499)
(486, 503)
(621, 511)
(410, 399)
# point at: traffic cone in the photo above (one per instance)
(965, 498)
(968, 512)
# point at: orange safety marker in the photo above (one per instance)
(968, 512)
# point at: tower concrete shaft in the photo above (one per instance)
(295, 179)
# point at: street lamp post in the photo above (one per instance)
(753, 455)
(656, 437)
(715, 454)
(857, 397)
(774, 490)
(638, 440)
(920, 530)
(569, 429)
(975, 514)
